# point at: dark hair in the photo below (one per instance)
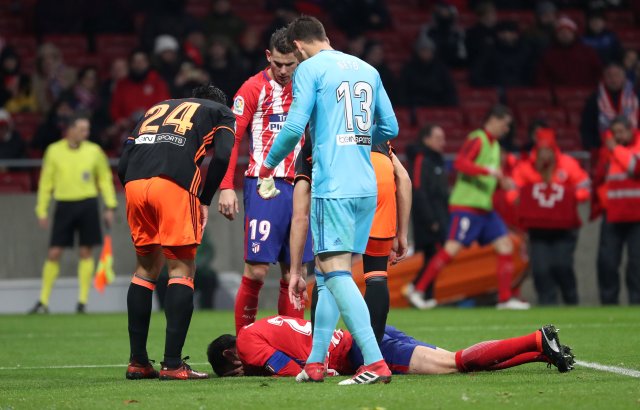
(210, 92)
(84, 70)
(77, 117)
(307, 29)
(612, 64)
(215, 353)
(426, 131)
(621, 119)
(280, 42)
(498, 111)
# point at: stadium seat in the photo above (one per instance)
(474, 114)
(15, 182)
(469, 96)
(26, 124)
(525, 19)
(554, 116)
(198, 8)
(571, 95)
(404, 116)
(620, 18)
(520, 94)
(440, 116)
(629, 37)
(569, 139)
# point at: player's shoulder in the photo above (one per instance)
(207, 105)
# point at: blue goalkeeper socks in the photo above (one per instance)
(354, 313)
(326, 319)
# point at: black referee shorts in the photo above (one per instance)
(76, 216)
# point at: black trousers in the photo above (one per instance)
(552, 265)
(613, 237)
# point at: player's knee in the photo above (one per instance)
(504, 246)
(54, 254)
(452, 247)
(85, 252)
(256, 271)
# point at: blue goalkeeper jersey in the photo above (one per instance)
(347, 108)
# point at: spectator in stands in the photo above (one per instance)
(621, 220)
(284, 13)
(483, 34)
(507, 63)
(426, 81)
(568, 62)
(600, 38)
(22, 98)
(374, 55)
(548, 187)
(429, 177)
(223, 22)
(167, 59)
(356, 44)
(614, 96)
(446, 33)
(631, 65)
(188, 78)
(165, 17)
(107, 133)
(11, 144)
(530, 138)
(134, 94)
(195, 46)
(54, 124)
(52, 77)
(9, 74)
(86, 92)
(357, 16)
(222, 67)
(541, 35)
(252, 52)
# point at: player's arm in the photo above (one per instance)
(45, 188)
(386, 124)
(255, 350)
(465, 162)
(123, 163)
(304, 99)
(105, 184)
(403, 200)
(244, 107)
(223, 140)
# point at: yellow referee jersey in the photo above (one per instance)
(74, 175)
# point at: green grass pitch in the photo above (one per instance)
(69, 361)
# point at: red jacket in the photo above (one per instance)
(552, 204)
(577, 65)
(130, 97)
(618, 176)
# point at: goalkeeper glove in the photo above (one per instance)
(266, 184)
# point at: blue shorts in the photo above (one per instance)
(396, 347)
(267, 224)
(468, 227)
(342, 224)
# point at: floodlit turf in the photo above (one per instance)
(30, 344)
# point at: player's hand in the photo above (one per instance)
(298, 291)
(43, 222)
(267, 188)
(495, 172)
(610, 142)
(507, 183)
(204, 216)
(237, 371)
(228, 204)
(399, 250)
(108, 218)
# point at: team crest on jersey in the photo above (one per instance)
(255, 247)
(238, 105)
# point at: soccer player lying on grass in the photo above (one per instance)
(279, 345)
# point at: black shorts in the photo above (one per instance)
(76, 216)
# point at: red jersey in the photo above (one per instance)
(261, 106)
(281, 345)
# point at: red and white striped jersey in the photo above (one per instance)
(261, 106)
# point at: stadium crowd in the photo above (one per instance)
(568, 69)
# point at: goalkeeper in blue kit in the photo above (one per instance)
(343, 101)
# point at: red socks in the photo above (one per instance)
(438, 262)
(505, 273)
(500, 354)
(247, 302)
(285, 307)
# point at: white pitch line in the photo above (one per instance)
(611, 369)
(74, 366)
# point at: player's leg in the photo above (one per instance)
(376, 294)
(441, 259)
(246, 304)
(90, 235)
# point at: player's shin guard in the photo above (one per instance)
(486, 355)
(355, 313)
(85, 274)
(50, 272)
(376, 294)
(178, 308)
(139, 301)
(326, 319)
(505, 273)
(246, 306)
(436, 265)
(285, 307)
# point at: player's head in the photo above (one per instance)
(78, 128)
(306, 33)
(282, 61)
(210, 92)
(222, 355)
(433, 137)
(498, 120)
(622, 130)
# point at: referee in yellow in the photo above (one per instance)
(74, 170)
